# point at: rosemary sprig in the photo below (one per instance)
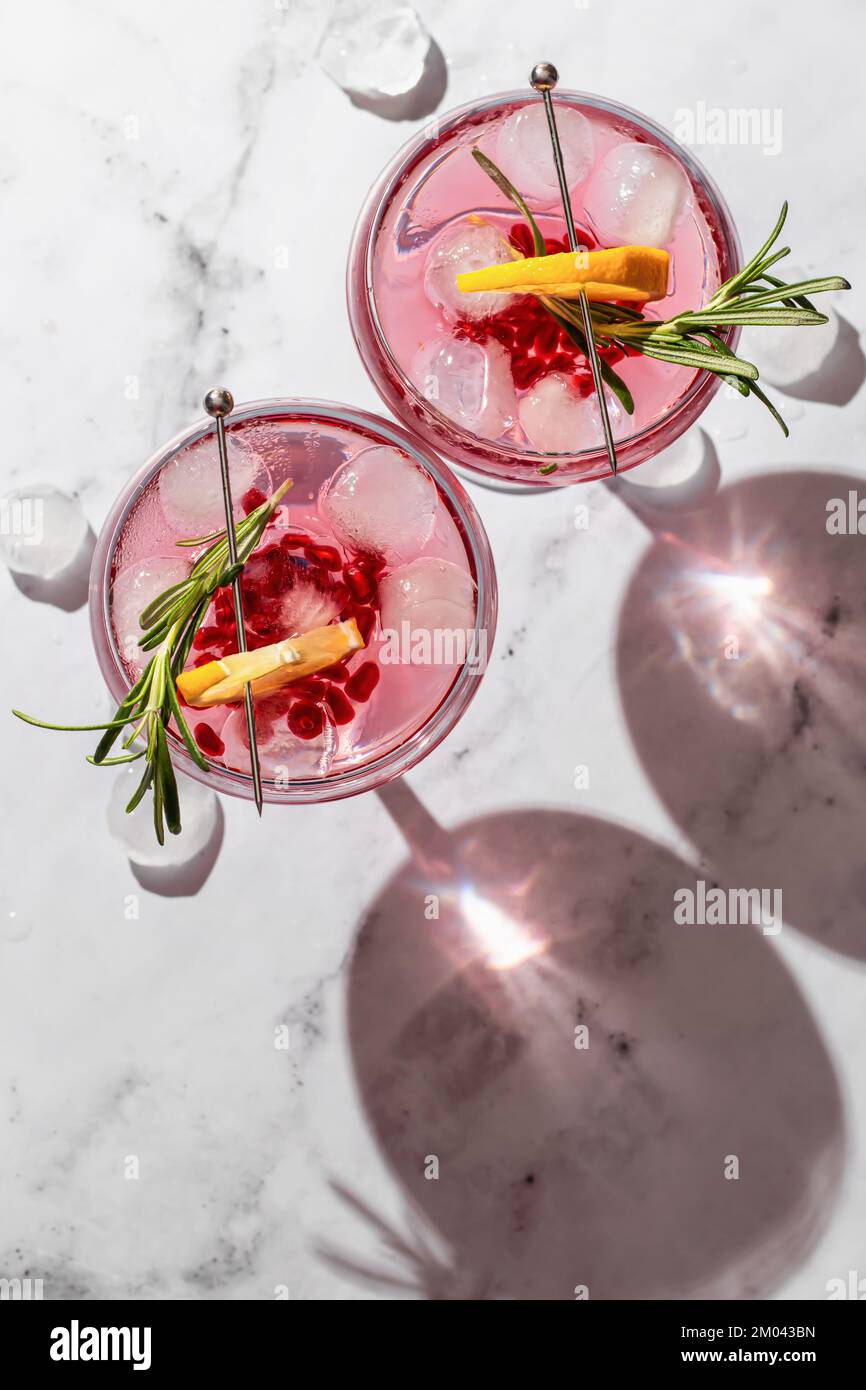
(170, 624)
(693, 338)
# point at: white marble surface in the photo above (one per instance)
(153, 160)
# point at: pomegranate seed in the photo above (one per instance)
(366, 620)
(306, 720)
(342, 710)
(205, 637)
(546, 337)
(474, 332)
(361, 584)
(252, 498)
(527, 372)
(521, 237)
(266, 573)
(296, 540)
(337, 672)
(209, 741)
(325, 555)
(312, 687)
(363, 682)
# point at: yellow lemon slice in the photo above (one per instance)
(268, 668)
(625, 273)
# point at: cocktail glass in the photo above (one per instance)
(374, 527)
(463, 387)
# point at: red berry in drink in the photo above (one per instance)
(338, 672)
(252, 498)
(363, 682)
(296, 540)
(209, 741)
(366, 620)
(341, 709)
(311, 688)
(361, 584)
(325, 555)
(305, 719)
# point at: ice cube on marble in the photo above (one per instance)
(42, 530)
(135, 832)
(375, 48)
(525, 154)
(459, 248)
(637, 195)
(381, 502)
(470, 383)
(557, 419)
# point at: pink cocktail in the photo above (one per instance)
(490, 379)
(373, 531)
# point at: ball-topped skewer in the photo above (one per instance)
(543, 79)
(219, 402)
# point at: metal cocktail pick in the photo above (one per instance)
(219, 403)
(543, 79)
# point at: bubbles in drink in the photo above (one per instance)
(430, 595)
(190, 484)
(787, 356)
(42, 531)
(381, 502)
(525, 154)
(375, 48)
(557, 419)
(132, 590)
(469, 382)
(460, 248)
(637, 195)
(134, 832)
(284, 755)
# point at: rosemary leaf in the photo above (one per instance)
(507, 187)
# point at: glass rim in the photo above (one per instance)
(386, 766)
(705, 384)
